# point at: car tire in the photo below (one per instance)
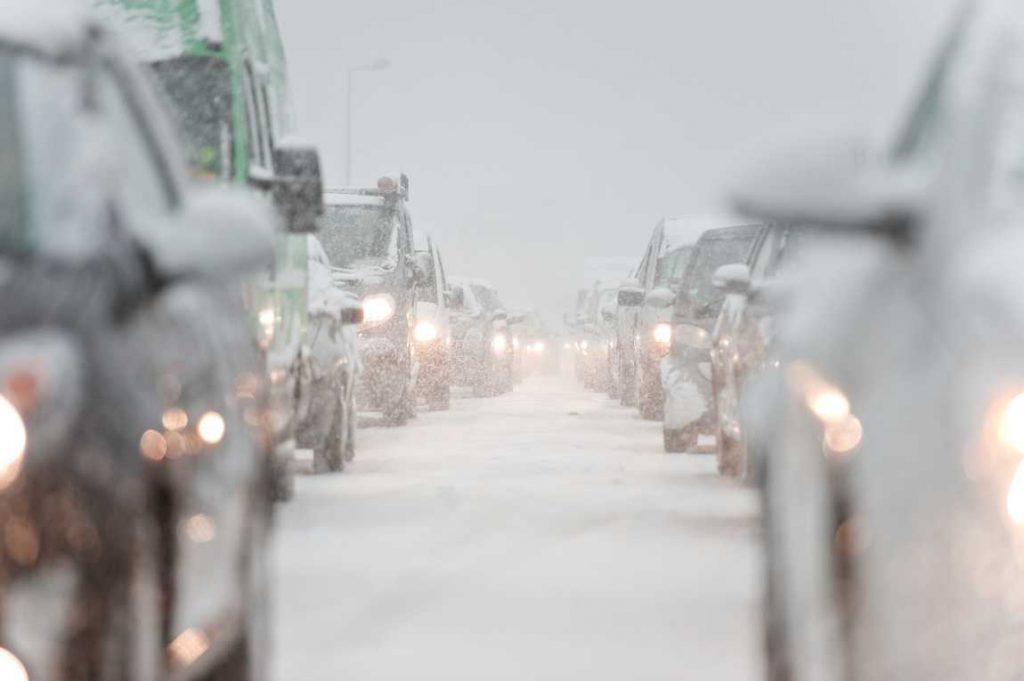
(329, 453)
(678, 441)
(731, 461)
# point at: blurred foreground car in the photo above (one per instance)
(329, 426)
(368, 236)
(895, 478)
(686, 369)
(481, 342)
(433, 331)
(134, 488)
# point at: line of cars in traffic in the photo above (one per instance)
(856, 355)
(175, 324)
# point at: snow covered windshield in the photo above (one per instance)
(487, 297)
(699, 294)
(672, 266)
(357, 236)
(200, 90)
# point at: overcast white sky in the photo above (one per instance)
(539, 132)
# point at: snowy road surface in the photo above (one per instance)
(540, 535)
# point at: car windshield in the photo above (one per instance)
(44, 186)
(671, 268)
(357, 236)
(699, 297)
(487, 297)
(200, 90)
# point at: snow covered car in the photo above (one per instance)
(686, 369)
(368, 236)
(481, 343)
(433, 332)
(628, 301)
(741, 339)
(658, 275)
(134, 478)
(895, 478)
(222, 68)
(329, 425)
(597, 327)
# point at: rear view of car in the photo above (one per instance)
(134, 475)
(686, 370)
(482, 344)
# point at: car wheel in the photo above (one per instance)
(329, 454)
(678, 441)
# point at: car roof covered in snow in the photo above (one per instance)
(54, 27)
(337, 197)
(685, 231)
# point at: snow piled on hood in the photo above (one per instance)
(52, 26)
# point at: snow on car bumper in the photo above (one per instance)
(687, 391)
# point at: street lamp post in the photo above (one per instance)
(379, 65)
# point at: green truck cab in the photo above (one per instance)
(222, 66)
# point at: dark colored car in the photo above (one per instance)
(135, 462)
(328, 426)
(741, 338)
(686, 370)
(368, 235)
(482, 345)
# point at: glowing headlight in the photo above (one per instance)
(378, 309)
(499, 343)
(11, 668)
(13, 439)
(515, 343)
(663, 333)
(1011, 424)
(539, 347)
(584, 345)
(425, 332)
(829, 404)
(267, 318)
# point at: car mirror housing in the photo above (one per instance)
(833, 184)
(732, 279)
(660, 297)
(230, 234)
(298, 186)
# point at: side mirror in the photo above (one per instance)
(832, 185)
(660, 297)
(631, 297)
(351, 316)
(298, 187)
(733, 278)
(235, 220)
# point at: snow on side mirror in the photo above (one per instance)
(229, 233)
(660, 297)
(731, 279)
(830, 184)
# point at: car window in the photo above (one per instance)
(764, 259)
(141, 182)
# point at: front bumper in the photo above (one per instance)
(686, 380)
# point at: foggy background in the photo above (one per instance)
(537, 133)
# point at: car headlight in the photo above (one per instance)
(539, 348)
(40, 396)
(267, 318)
(426, 332)
(499, 344)
(584, 345)
(11, 668)
(379, 308)
(1011, 424)
(13, 438)
(663, 334)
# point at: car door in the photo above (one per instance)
(205, 365)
